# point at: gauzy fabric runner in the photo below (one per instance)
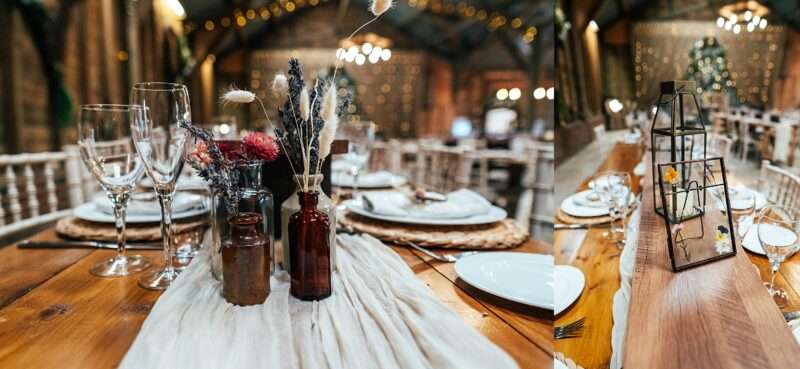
(379, 316)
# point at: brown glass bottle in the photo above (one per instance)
(246, 261)
(309, 245)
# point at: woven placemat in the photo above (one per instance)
(72, 227)
(563, 217)
(499, 235)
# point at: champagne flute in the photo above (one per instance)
(777, 228)
(104, 138)
(358, 135)
(161, 143)
(614, 189)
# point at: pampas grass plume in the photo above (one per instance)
(305, 108)
(329, 104)
(280, 87)
(379, 7)
(327, 135)
(236, 96)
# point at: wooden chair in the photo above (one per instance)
(443, 169)
(537, 201)
(719, 145)
(779, 186)
(39, 188)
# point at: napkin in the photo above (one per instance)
(381, 178)
(462, 203)
(346, 162)
(147, 204)
(583, 199)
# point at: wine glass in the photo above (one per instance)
(161, 143)
(777, 228)
(358, 135)
(614, 189)
(104, 138)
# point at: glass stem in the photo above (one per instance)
(166, 230)
(355, 184)
(612, 212)
(774, 272)
(119, 223)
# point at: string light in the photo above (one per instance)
(276, 9)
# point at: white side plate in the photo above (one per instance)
(569, 286)
(90, 212)
(521, 277)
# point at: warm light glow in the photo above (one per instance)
(514, 94)
(374, 57)
(386, 54)
(360, 59)
(737, 28)
(176, 8)
(539, 93)
(502, 94)
(720, 22)
(750, 27)
(224, 128)
(762, 24)
(728, 25)
(551, 93)
(366, 48)
(615, 106)
(748, 15)
(593, 26)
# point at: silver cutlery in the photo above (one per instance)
(85, 245)
(571, 330)
(448, 258)
(791, 315)
(561, 226)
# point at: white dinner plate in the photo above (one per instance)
(347, 181)
(557, 364)
(495, 214)
(569, 286)
(521, 277)
(184, 183)
(574, 208)
(89, 212)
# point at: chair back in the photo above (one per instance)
(443, 169)
(537, 201)
(719, 145)
(780, 186)
(33, 188)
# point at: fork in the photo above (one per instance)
(449, 258)
(571, 330)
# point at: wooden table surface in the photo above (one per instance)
(598, 258)
(54, 314)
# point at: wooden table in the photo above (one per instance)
(691, 335)
(598, 258)
(54, 314)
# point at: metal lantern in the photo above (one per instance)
(698, 231)
(677, 134)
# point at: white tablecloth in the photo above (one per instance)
(379, 316)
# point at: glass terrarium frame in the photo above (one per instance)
(680, 135)
(700, 216)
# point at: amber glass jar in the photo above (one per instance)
(245, 261)
(309, 239)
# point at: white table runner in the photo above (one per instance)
(379, 316)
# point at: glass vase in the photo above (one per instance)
(292, 205)
(246, 260)
(309, 246)
(253, 198)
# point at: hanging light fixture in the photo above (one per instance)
(743, 16)
(365, 48)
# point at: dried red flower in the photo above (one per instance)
(230, 151)
(260, 146)
(201, 154)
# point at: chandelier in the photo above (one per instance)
(743, 16)
(368, 47)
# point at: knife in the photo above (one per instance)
(789, 316)
(559, 226)
(86, 245)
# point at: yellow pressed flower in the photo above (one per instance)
(720, 237)
(671, 176)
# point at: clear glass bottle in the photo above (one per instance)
(292, 205)
(253, 198)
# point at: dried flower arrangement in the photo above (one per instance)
(216, 162)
